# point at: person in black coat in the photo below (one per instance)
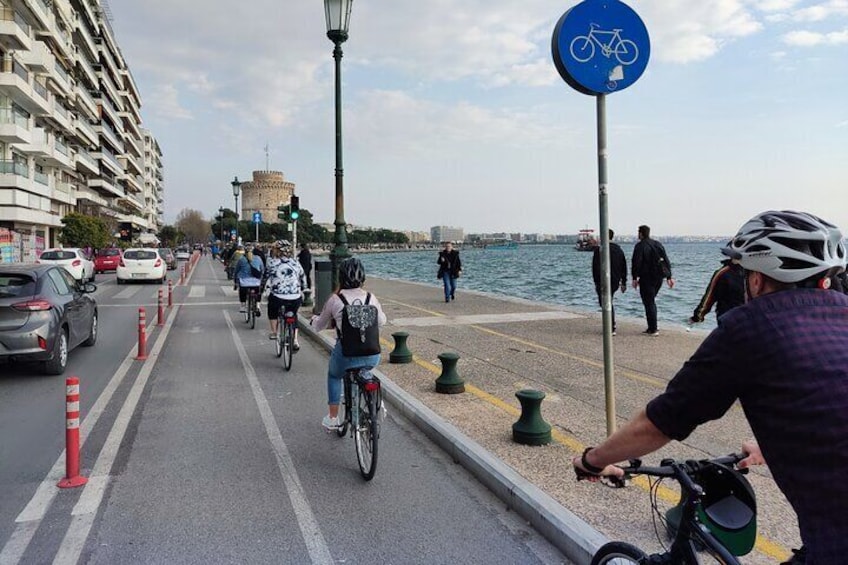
(618, 273)
(305, 260)
(650, 265)
(450, 267)
(726, 290)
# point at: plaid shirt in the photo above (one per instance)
(785, 357)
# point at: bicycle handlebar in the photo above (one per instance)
(667, 468)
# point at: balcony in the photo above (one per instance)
(108, 134)
(61, 116)
(41, 178)
(62, 79)
(86, 132)
(106, 184)
(15, 83)
(14, 30)
(40, 11)
(107, 108)
(14, 167)
(39, 144)
(85, 162)
(85, 64)
(85, 103)
(109, 161)
(14, 126)
(85, 39)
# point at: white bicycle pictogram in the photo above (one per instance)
(583, 46)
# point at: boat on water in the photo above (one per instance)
(586, 240)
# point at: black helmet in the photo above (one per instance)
(351, 273)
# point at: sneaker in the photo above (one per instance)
(330, 424)
(613, 332)
(295, 346)
(447, 299)
(653, 333)
(452, 296)
(272, 336)
(242, 309)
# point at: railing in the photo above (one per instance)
(63, 187)
(40, 89)
(13, 116)
(61, 110)
(11, 167)
(62, 72)
(43, 5)
(86, 156)
(10, 15)
(41, 178)
(61, 147)
(19, 70)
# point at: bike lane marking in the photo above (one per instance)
(85, 510)
(309, 528)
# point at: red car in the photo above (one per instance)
(107, 260)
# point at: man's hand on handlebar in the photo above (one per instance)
(613, 473)
(754, 455)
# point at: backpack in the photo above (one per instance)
(359, 334)
(256, 273)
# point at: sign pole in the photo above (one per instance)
(257, 233)
(606, 291)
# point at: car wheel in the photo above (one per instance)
(92, 334)
(119, 281)
(93, 277)
(57, 365)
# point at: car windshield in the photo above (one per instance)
(108, 253)
(164, 253)
(58, 255)
(16, 285)
(140, 254)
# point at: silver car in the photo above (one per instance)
(44, 314)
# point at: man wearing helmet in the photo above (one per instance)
(784, 356)
(351, 279)
(286, 281)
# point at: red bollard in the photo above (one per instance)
(182, 274)
(170, 294)
(72, 441)
(160, 318)
(142, 335)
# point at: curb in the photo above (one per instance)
(567, 532)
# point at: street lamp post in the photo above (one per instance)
(221, 216)
(236, 187)
(338, 19)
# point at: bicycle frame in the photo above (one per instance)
(606, 48)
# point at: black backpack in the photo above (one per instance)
(360, 332)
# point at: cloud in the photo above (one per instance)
(821, 12)
(776, 5)
(804, 38)
(165, 104)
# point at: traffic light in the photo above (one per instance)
(294, 208)
(283, 212)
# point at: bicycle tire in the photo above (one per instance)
(585, 53)
(626, 52)
(251, 311)
(366, 434)
(246, 312)
(619, 553)
(344, 414)
(278, 343)
(288, 347)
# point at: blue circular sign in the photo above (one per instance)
(600, 46)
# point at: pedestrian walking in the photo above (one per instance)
(650, 265)
(305, 260)
(618, 273)
(450, 268)
(726, 290)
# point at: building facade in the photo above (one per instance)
(264, 193)
(440, 234)
(70, 122)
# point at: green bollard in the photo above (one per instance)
(401, 353)
(531, 428)
(307, 298)
(449, 381)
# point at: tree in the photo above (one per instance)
(82, 231)
(192, 224)
(169, 236)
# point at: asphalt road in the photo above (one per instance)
(210, 453)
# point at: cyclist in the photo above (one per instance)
(285, 279)
(351, 278)
(784, 355)
(247, 274)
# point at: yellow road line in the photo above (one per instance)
(432, 312)
(763, 545)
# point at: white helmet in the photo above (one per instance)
(788, 246)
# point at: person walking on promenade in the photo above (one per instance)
(618, 273)
(450, 267)
(784, 356)
(726, 290)
(650, 265)
(305, 260)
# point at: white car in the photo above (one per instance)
(183, 254)
(141, 265)
(73, 259)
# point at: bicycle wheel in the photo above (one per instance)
(582, 48)
(627, 52)
(251, 311)
(246, 313)
(278, 343)
(288, 346)
(619, 553)
(366, 433)
(344, 413)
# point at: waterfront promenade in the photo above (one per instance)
(507, 345)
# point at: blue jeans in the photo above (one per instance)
(339, 364)
(450, 285)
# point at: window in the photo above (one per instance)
(69, 278)
(140, 254)
(12, 286)
(62, 286)
(58, 255)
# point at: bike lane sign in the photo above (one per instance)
(600, 46)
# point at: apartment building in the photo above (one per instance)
(70, 122)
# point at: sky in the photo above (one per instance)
(454, 114)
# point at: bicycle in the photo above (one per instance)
(363, 394)
(252, 306)
(717, 513)
(285, 337)
(624, 50)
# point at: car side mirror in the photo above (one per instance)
(88, 288)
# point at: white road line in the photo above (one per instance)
(197, 291)
(30, 517)
(229, 291)
(309, 528)
(128, 292)
(86, 507)
(221, 303)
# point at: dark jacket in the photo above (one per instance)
(305, 260)
(726, 290)
(618, 267)
(449, 262)
(650, 262)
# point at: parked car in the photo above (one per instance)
(73, 259)
(44, 314)
(183, 254)
(141, 264)
(168, 256)
(107, 260)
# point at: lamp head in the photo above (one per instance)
(338, 19)
(236, 186)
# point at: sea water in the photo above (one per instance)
(559, 274)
